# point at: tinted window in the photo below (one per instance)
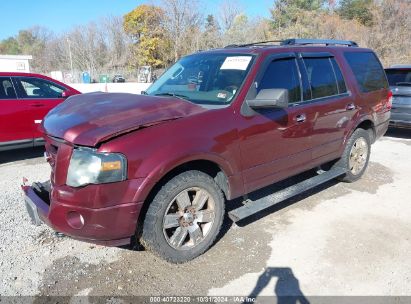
(367, 70)
(321, 77)
(398, 77)
(283, 74)
(39, 88)
(6, 88)
(342, 88)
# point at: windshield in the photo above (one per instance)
(398, 77)
(204, 78)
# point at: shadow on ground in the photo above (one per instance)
(20, 154)
(287, 288)
(399, 133)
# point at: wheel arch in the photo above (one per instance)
(369, 126)
(365, 123)
(210, 167)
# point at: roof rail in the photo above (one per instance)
(251, 44)
(318, 41)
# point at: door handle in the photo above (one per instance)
(350, 107)
(300, 118)
(37, 105)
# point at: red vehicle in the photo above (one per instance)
(216, 126)
(26, 98)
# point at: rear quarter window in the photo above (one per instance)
(367, 70)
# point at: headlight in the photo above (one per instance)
(90, 167)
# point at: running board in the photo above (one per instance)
(280, 196)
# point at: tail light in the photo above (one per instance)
(388, 105)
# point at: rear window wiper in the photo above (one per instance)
(173, 95)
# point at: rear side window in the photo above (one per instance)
(6, 88)
(39, 88)
(399, 77)
(283, 74)
(367, 70)
(321, 76)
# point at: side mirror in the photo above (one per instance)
(269, 98)
(66, 94)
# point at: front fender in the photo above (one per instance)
(161, 169)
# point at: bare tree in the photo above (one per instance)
(182, 19)
(117, 42)
(229, 10)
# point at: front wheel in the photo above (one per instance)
(184, 217)
(356, 156)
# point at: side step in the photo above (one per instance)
(280, 196)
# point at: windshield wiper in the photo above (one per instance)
(184, 97)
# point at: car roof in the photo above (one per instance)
(399, 66)
(268, 49)
(292, 45)
(23, 74)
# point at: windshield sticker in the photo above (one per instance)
(222, 95)
(236, 63)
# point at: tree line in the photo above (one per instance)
(158, 35)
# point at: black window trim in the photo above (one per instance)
(252, 92)
(301, 57)
(335, 74)
(16, 82)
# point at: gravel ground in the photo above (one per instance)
(348, 239)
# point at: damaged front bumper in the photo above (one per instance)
(110, 226)
(37, 201)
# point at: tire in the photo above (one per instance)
(184, 218)
(359, 157)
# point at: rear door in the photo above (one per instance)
(332, 104)
(41, 96)
(14, 117)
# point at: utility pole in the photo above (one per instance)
(71, 59)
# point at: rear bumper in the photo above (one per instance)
(111, 226)
(400, 120)
(400, 116)
(400, 124)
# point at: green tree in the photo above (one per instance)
(10, 46)
(211, 36)
(286, 12)
(145, 26)
(356, 9)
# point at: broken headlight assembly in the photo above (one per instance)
(87, 166)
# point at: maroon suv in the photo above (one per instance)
(216, 126)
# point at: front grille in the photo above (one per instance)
(58, 155)
(52, 148)
(51, 151)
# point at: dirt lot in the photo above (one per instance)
(348, 239)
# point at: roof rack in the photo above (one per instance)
(298, 42)
(318, 41)
(253, 43)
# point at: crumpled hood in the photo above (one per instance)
(88, 119)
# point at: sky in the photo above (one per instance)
(62, 15)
